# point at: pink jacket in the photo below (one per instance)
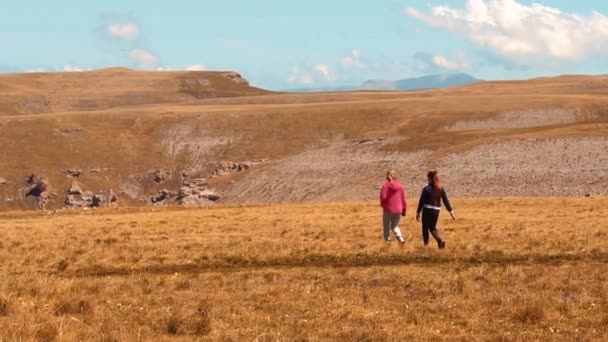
(392, 197)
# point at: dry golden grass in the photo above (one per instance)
(515, 269)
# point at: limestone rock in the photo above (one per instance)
(196, 192)
(104, 199)
(236, 78)
(162, 197)
(160, 175)
(69, 130)
(75, 189)
(227, 167)
(74, 173)
(38, 187)
(77, 198)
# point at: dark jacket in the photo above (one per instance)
(433, 198)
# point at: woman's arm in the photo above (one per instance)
(446, 202)
(420, 205)
(383, 195)
(404, 201)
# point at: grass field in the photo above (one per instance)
(515, 269)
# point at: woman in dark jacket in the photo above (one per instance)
(430, 205)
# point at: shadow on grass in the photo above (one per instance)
(239, 263)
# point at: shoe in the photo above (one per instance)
(441, 244)
(401, 239)
(387, 242)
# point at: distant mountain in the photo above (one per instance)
(322, 89)
(420, 83)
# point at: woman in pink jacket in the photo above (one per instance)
(393, 202)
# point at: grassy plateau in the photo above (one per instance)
(515, 269)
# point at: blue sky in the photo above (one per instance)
(297, 44)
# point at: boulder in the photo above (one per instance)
(69, 130)
(196, 192)
(227, 167)
(74, 173)
(3, 181)
(75, 189)
(162, 197)
(74, 201)
(37, 187)
(209, 195)
(160, 175)
(77, 198)
(236, 78)
(367, 141)
(104, 199)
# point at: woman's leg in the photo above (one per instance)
(434, 217)
(386, 226)
(395, 219)
(425, 225)
(437, 236)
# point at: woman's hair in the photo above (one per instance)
(391, 175)
(434, 180)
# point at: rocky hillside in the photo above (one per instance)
(123, 138)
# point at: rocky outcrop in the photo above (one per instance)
(367, 141)
(236, 78)
(162, 197)
(83, 200)
(75, 189)
(196, 192)
(77, 198)
(38, 187)
(98, 171)
(160, 175)
(74, 173)
(104, 199)
(69, 130)
(228, 168)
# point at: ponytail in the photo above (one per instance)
(434, 181)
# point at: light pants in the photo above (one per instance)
(390, 221)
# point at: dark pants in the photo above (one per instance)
(429, 224)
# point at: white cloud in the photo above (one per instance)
(353, 61)
(71, 68)
(326, 72)
(196, 67)
(144, 58)
(66, 68)
(520, 33)
(299, 76)
(33, 70)
(320, 73)
(128, 31)
(444, 63)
